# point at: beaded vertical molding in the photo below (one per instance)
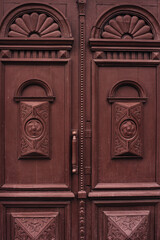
(82, 193)
(81, 5)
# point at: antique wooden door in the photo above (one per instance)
(79, 120)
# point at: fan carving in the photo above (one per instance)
(127, 27)
(34, 25)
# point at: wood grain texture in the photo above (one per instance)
(90, 66)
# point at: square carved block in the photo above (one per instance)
(126, 225)
(35, 226)
(34, 130)
(127, 123)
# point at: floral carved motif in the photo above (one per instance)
(127, 225)
(35, 228)
(34, 129)
(127, 129)
(34, 25)
(127, 27)
(120, 146)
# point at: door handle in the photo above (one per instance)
(75, 151)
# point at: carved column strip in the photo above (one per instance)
(82, 193)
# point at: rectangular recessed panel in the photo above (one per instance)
(124, 130)
(37, 129)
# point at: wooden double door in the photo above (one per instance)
(79, 120)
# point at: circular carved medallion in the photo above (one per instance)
(34, 128)
(128, 129)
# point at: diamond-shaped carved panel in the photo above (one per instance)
(35, 226)
(126, 225)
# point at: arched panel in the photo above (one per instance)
(126, 22)
(120, 89)
(127, 119)
(19, 95)
(35, 21)
(34, 112)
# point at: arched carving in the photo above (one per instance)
(34, 25)
(35, 21)
(127, 27)
(126, 22)
(141, 92)
(127, 121)
(34, 115)
(19, 92)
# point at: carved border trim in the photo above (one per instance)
(96, 185)
(81, 5)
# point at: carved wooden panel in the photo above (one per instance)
(35, 227)
(115, 219)
(40, 128)
(35, 43)
(35, 20)
(127, 26)
(125, 22)
(127, 122)
(124, 109)
(38, 220)
(126, 225)
(34, 129)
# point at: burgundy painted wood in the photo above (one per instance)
(79, 120)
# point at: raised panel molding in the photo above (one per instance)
(34, 129)
(34, 139)
(127, 121)
(127, 129)
(124, 225)
(37, 220)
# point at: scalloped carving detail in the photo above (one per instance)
(34, 25)
(127, 27)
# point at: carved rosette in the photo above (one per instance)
(34, 25)
(127, 121)
(34, 129)
(124, 225)
(127, 26)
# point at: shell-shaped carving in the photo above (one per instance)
(127, 27)
(34, 25)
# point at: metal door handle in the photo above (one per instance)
(75, 151)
